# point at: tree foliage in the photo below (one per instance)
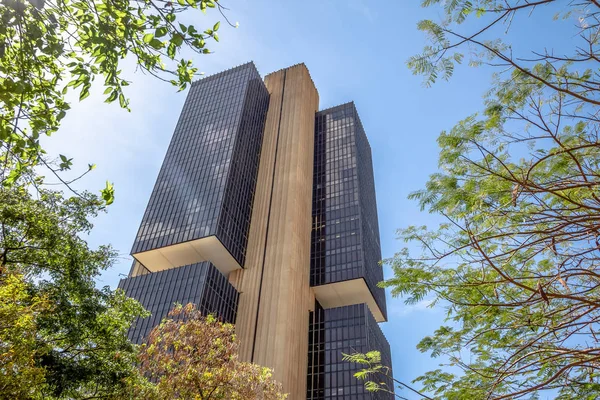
(20, 375)
(60, 335)
(374, 373)
(516, 264)
(50, 47)
(195, 357)
(480, 30)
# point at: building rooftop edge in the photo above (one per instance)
(343, 105)
(252, 64)
(332, 108)
(217, 74)
(300, 64)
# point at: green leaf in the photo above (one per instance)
(156, 44)
(85, 92)
(148, 37)
(177, 39)
(216, 27)
(65, 163)
(171, 50)
(113, 96)
(108, 193)
(122, 101)
(160, 32)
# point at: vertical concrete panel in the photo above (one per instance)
(273, 312)
(247, 281)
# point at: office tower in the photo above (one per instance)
(345, 253)
(338, 331)
(264, 214)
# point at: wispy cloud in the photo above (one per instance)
(397, 308)
(362, 6)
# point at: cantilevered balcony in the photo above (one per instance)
(345, 234)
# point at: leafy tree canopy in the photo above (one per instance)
(196, 357)
(50, 47)
(517, 262)
(60, 336)
(20, 375)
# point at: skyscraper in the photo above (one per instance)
(264, 214)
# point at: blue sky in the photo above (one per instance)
(355, 50)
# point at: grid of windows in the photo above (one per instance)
(345, 234)
(368, 211)
(201, 284)
(206, 183)
(340, 330)
(234, 221)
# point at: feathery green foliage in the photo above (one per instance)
(517, 262)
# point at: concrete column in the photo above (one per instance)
(275, 294)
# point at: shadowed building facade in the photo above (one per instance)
(264, 214)
(345, 253)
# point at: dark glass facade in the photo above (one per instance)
(207, 181)
(201, 284)
(335, 331)
(345, 236)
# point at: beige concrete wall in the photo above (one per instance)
(272, 322)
